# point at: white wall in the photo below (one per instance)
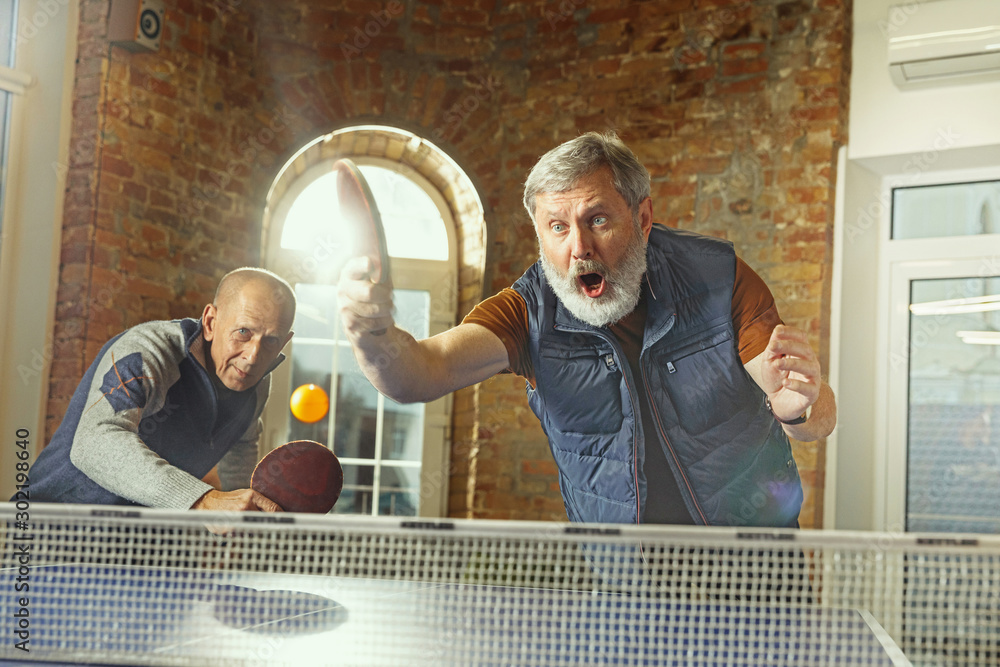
(32, 220)
(852, 454)
(886, 121)
(911, 137)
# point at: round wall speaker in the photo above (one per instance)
(149, 24)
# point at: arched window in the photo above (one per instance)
(414, 227)
(394, 456)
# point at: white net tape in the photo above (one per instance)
(149, 587)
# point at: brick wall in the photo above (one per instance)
(736, 107)
(168, 155)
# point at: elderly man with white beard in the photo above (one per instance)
(654, 358)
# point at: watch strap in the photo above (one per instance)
(791, 422)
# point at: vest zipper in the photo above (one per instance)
(659, 428)
(637, 414)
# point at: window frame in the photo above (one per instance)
(893, 191)
(901, 261)
(13, 80)
(41, 114)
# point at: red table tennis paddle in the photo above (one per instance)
(360, 213)
(301, 476)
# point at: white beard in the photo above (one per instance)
(622, 285)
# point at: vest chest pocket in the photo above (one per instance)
(581, 387)
(702, 379)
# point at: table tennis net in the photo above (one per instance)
(203, 588)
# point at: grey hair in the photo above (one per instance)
(561, 168)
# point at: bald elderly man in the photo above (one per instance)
(165, 404)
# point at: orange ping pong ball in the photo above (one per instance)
(309, 403)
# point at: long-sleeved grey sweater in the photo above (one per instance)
(146, 424)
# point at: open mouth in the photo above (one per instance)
(592, 284)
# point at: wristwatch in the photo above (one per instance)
(791, 422)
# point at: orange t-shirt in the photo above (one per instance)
(754, 318)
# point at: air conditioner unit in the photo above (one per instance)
(945, 41)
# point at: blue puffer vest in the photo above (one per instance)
(183, 432)
(731, 459)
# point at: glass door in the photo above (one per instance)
(953, 423)
(944, 396)
(942, 459)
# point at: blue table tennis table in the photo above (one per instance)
(99, 614)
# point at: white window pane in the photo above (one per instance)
(961, 209)
(6, 99)
(356, 411)
(399, 491)
(953, 441)
(8, 28)
(413, 308)
(312, 218)
(358, 414)
(404, 431)
(312, 363)
(356, 498)
(403, 434)
(316, 314)
(314, 347)
(413, 224)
